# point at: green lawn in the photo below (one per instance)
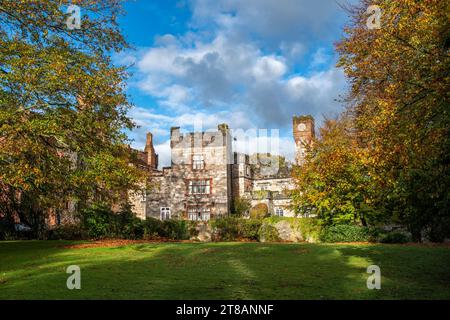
(36, 270)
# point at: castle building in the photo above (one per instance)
(206, 176)
(303, 130)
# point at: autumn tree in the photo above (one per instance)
(399, 97)
(62, 106)
(333, 183)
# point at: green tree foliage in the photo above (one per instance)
(392, 158)
(241, 205)
(334, 183)
(400, 97)
(62, 106)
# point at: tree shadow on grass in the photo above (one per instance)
(217, 271)
(407, 272)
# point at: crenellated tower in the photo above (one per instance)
(303, 130)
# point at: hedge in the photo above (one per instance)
(99, 222)
(230, 229)
(345, 233)
(308, 227)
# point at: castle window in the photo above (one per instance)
(199, 213)
(198, 162)
(279, 212)
(199, 186)
(164, 213)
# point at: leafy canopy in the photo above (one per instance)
(62, 104)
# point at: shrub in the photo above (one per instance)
(98, 221)
(6, 230)
(439, 229)
(101, 222)
(344, 233)
(175, 229)
(240, 206)
(309, 228)
(225, 229)
(192, 228)
(133, 229)
(153, 228)
(395, 237)
(249, 228)
(67, 232)
(268, 233)
(259, 211)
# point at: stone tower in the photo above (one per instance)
(152, 157)
(303, 130)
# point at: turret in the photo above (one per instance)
(303, 130)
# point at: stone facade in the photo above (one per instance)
(206, 176)
(197, 185)
(303, 130)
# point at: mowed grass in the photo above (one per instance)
(37, 270)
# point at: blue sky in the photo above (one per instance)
(250, 63)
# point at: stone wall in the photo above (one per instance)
(231, 174)
(171, 185)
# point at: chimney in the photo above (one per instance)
(152, 157)
(149, 139)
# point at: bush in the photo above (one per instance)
(230, 228)
(240, 206)
(439, 229)
(67, 232)
(309, 228)
(98, 221)
(225, 229)
(268, 233)
(175, 229)
(133, 229)
(153, 228)
(192, 229)
(259, 211)
(345, 233)
(395, 237)
(249, 228)
(6, 230)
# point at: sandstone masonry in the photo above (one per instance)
(206, 176)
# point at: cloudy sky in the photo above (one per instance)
(250, 63)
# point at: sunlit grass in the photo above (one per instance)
(37, 270)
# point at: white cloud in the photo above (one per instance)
(150, 121)
(287, 21)
(161, 59)
(240, 67)
(254, 141)
(222, 73)
(320, 57)
(275, 145)
(163, 151)
(269, 68)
